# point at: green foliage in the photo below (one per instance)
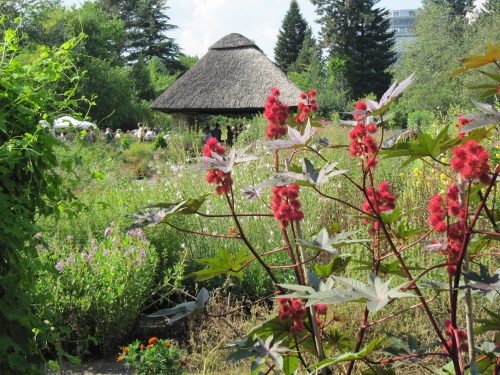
(138, 157)
(98, 291)
(160, 357)
(456, 7)
(420, 119)
(353, 31)
(30, 184)
(160, 141)
(224, 263)
(290, 37)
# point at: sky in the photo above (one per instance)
(201, 23)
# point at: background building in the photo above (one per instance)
(403, 23)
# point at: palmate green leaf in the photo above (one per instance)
(337, 265)
(376, 293)
(185, 309)
(425, 145)
(166, 210)
(350, 356)
(490, 324)
(486, 284)
(224, 263)
(306, 176)
(330, 243)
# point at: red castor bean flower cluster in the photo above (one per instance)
(216, 176)
(276, 113)
(292, 309)
(378, 201)
(362, 143)
(462, 336)
(470, 160)
(460, 124)
(360, 106)
(442, 211)
(307, 108)
(285, 204)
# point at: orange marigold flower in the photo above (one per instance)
(125, 350)
(150, 346)
(142, 346)
(233, 231)
(152, 340)
(168, 344)
(119, 359)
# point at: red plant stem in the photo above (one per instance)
(262, 255)
(201, 233)
(292, 256)
(400, 312)
(492, 234)
(460, 357)
(489, 213)
(248, 244)
(296, 264)
(301, 261)
(238, 215)
(425, 235)
(408, 356)
(343, 202)
(433, 166)
(242, 307)
(463, 250)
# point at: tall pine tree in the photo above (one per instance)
(457, 7)
(290, 37)
(357, 32)
(147, 25)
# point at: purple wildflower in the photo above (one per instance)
(60, 266)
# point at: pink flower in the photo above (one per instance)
(276, 113)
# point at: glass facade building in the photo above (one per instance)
(403, 23)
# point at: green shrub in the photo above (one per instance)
(156, 357)
(420, 119)
(99, 291)
(126, 140)
(160, 142)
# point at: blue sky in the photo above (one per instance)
(203, 22)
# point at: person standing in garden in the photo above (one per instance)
(217, 133)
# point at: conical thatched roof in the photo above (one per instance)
(233, 77)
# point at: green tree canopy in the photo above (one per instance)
(456, 7)
(290, 37)
(147, 26)
(358, 32)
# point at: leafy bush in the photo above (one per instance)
(160, 141)
(126, 140)
(420, 119)
(99, 291)
(156, 357)
(30, 182)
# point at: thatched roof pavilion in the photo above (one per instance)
(234, 77)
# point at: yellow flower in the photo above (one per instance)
(497, 156)
(402, 175)
(416, 170)
(443, 176)
(444, 160)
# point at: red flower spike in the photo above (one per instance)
(216, 176)
(276, 113)
(470, 160)
(285, 204)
